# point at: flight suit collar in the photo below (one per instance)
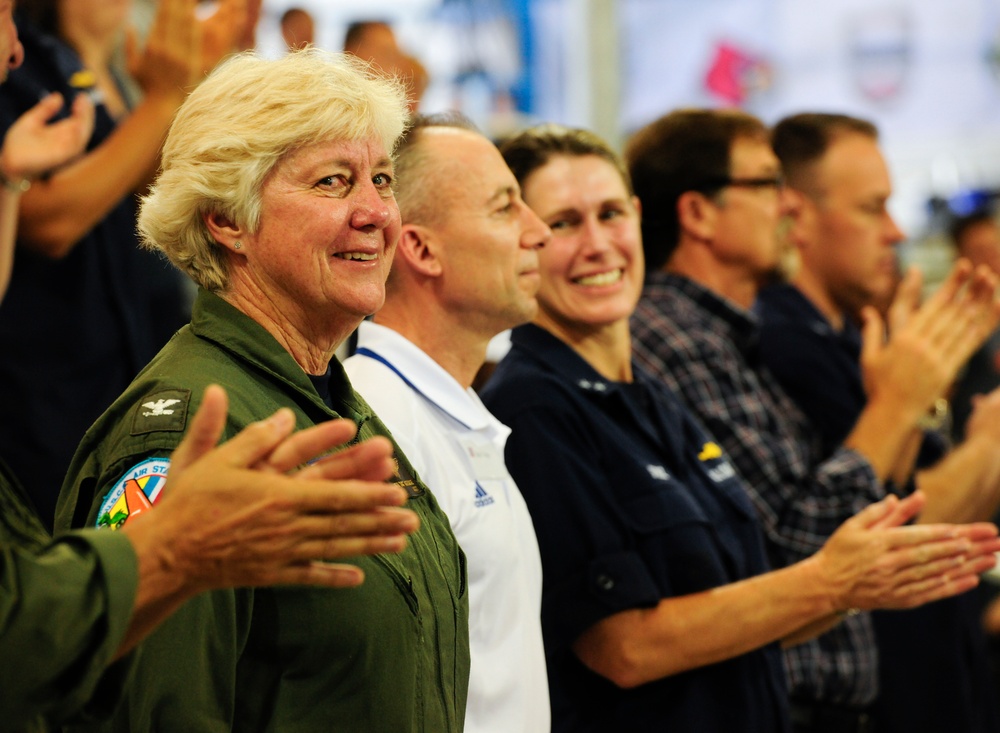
(216, 320)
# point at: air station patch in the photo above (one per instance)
(163, 411)
(134, 493)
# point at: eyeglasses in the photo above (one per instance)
(776, 182)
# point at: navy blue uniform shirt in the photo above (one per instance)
(632, 502)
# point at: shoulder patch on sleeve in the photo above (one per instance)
(165, 410)
(134, 493)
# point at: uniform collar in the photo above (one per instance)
(664, 421)
(740, 325)
(557, 357)
(538, 344)
(423, 375)
(785, 302)
(216, 320)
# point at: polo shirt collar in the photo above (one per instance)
(422, 374)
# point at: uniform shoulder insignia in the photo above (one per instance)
(709, 452)
(165, 410)
(134, 493)
(83, 79)
(405, 480)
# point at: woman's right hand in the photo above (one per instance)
(873, 562)
(222, 32)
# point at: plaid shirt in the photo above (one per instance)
(706, 350)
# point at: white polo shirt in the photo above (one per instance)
(456, 446)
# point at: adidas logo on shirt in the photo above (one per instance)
(482, 497)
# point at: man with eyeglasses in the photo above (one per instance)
(845, 237)
(713, 231)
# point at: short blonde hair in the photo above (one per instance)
(233, 130)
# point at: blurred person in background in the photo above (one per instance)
(976, 237)
(297, 28)
(374, 41)
(86, 308)
(32, 147)
(838, 191)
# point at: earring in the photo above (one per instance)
(237, 244)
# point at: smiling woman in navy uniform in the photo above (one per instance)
(659, 612)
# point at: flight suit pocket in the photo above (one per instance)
(402, 581)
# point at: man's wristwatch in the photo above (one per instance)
(14, 185)
(936, 416)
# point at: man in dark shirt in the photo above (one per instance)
(976, 237)
(711, 190)
(810, 340)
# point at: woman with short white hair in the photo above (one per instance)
(275, 197)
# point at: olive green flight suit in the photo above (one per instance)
(389, 656)
(64, 609)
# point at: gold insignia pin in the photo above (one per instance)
(83, 79)
(710, 451)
